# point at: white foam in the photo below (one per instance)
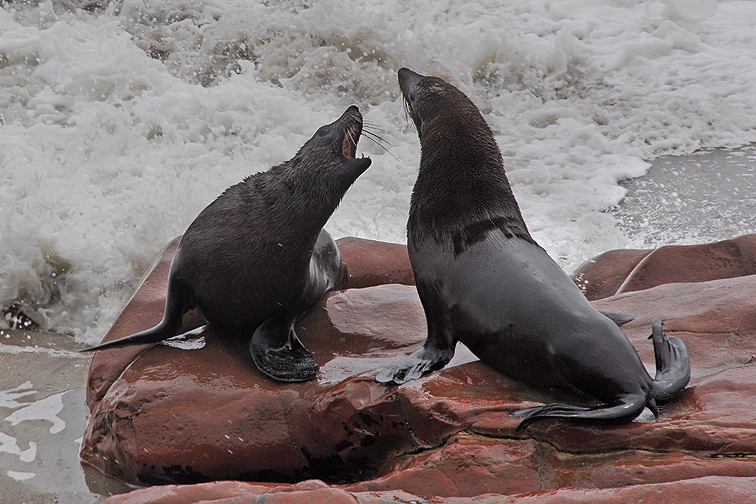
(47, 408)
(190, 340)
(16, 350)
(21, 476)
(106, 153)
(9, 398)
(9, 444)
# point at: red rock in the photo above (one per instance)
(193, 415)
(621, 271)
(371, 262)
(196, 415)
(602, 276)
(709, 490)
(241, 493)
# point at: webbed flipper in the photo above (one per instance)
(427, 359)
(278, 353)
(624, 409)
(672, 364)
(178, 301)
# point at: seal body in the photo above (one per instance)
(483, 280)
(257, 258)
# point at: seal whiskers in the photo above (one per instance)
(369, 132)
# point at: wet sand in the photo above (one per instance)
(42, 419)
(42, 375)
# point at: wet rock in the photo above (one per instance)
(373, 262)
(603, 276)
(199, 411)
(619, 271)
(711, 489)
(187, 415)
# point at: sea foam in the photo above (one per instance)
(118, 124)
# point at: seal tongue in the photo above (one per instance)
(349, 146)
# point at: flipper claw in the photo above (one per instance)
(672, 364)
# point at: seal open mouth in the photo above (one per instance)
(350, 125)
(352, 135)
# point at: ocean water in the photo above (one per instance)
(120, 121)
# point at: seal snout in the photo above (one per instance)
(408, 78)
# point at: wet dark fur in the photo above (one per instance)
(484, 281)
(257, 257)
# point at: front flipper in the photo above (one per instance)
(278, 353)
(624, 409)
(427, 359)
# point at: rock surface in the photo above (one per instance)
(372, 262)
(619, 271)
(709, 490)
(202, 412)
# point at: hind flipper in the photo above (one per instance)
(617, 318)
(178, 301)
(622, 410)
(428, 358)
(672, 364)
(278, 353)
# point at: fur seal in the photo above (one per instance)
(483, 280)
(257, 258)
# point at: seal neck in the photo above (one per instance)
(461, 182)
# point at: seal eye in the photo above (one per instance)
(323, 131)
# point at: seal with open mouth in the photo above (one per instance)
(257, 258)
(484, 281)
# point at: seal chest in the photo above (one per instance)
(484, 281)
(257, 258)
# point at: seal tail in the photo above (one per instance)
(177, 303)
(672, 365)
